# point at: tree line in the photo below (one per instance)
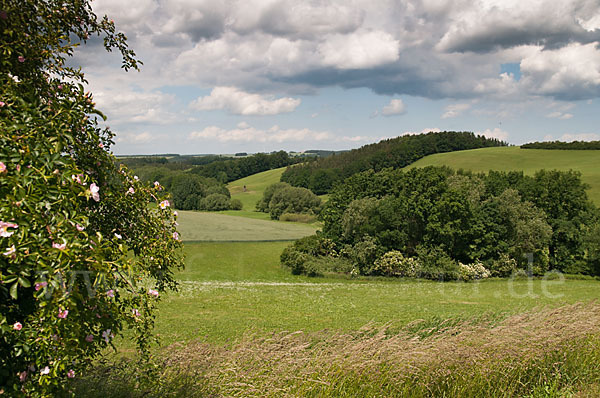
(323, 174)
(580, 145)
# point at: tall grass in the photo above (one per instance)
(546, 353)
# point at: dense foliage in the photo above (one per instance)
(581, 145)
(450, 221)
(83, 254)
(321, 175)
(222, 168)
(281, 199)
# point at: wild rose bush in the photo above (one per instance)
(83, 253)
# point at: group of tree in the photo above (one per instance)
(580, 145)
(82, 253)
(440, 224)
(281, 199)
(323, 174)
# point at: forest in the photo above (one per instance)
(321, 175)
(440, 224)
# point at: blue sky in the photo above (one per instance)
(264, 75)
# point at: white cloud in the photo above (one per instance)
(454, 110)
(137, 138)
(242, 103)
(559, 115)
(495, 133)
(395, 107)
(569, 72)
(126, 106)
(359, 50)
(251, 134)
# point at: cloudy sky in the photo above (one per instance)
(261, 75)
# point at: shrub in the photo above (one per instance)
(294, 260)
(263, 204)
(304, 218)
(293, 200)
(84, 253)
(393, 263)
(503, 266)
(214, 202)
(236, 204)
(364, 253)
(473, 271)
(436, 264)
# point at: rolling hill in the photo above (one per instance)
(528, 160)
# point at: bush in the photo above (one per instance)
(236, 204)
(436, 264)
(473, 271)
(293, 200)
(503, 267)
(263, 204)
(303, 218)
(294, 260)
(393, 263)
(364, 253)
(214, 202)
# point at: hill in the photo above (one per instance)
(529, 161)
(322, 174)
(255, 186)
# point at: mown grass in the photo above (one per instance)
(229, 289)
(255, 186)
(527, 160)
(202, 226)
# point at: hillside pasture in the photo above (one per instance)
(202, 226)
(527, 160)
(255, 186)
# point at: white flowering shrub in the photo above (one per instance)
(83, 254)
(473, 271)
(394, 263)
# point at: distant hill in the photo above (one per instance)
(323, 173)
(529, 161)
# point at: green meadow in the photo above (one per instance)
(527, 160)
(255, 186)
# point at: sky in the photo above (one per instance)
(262, 75)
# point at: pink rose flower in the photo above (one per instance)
(45, 370)
(131, 191)
(89, 338)
(107, 335)
(71, 373)
(80, 228)
(94, 189)
(59, 246)
(21, 58)
(40, 285)
(17, 326)
(110, 293)
(62, 314)
(4, 232)
(164, 204)
(10, 251)
(136, 312)
(23, 376)
(153, 292)
(2, 165)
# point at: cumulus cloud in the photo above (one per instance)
(246, 133)
(144, 137)
(395, 107)
(427, 48)
(242, 103)
(559, 115)
(580, 137)
(455, 110)
(495, 133)
(127, 106)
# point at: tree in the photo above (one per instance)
(83, 253)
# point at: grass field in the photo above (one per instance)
(202, 226)
(527, 160)
(255, 186)
(229, 289)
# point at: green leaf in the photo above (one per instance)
(13, 290)
(24, 282)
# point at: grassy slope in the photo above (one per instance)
(255, 186)
(200, 226)
(230, 288)
(528, 160)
